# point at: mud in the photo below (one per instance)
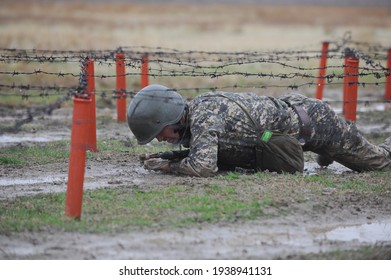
(270, 239)
(306, 231)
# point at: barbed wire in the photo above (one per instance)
(134, 59)
(135, 52)
(295, 66)
(219, 72)
(32, 113)
(339, 44)
(190, 69)
(50, 91)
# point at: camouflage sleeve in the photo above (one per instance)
(206, 128)
(202, 159)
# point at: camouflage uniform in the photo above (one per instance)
(223, 137)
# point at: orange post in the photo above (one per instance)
(120, 87)
(350, 87)
(144, 71)
(77, 158)
(387, 92)
(322, 70)
(91, 143)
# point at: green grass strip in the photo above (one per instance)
(120, 209)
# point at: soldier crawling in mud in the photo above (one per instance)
(227, 130)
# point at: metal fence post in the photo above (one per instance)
(144, 71)
(77, 157)
(91, 144)
(387, 90)
(350, 85)
(120, 87)
(83, 138)
(322, 70)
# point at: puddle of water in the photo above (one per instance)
(364, 108)
(374, 232)
(311, 168)
(30, 181)
(6, 140)
(17, 139)
(141, 170)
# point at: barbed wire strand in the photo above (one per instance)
(165, 62)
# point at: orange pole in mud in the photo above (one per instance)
(144, 71)
(387, 92)
(120, 87)
(91, 142)
(77, 158)
(322, 70)
(350, 87)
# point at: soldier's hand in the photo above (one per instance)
(157, 164)
(143, 157)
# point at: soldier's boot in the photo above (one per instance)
(386, 145)
(324, 160)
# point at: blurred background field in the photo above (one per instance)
(75, 25)
(238, 26)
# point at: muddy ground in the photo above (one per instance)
(307, 231)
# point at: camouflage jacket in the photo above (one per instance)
(222, 135)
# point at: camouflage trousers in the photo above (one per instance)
(334, 138)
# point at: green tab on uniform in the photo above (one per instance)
(266, 136)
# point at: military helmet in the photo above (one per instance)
(153, 108)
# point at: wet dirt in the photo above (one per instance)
(304, 232)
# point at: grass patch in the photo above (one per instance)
(50, 152)
(31, 214)
(231, 176)
(227, 198)
(113, 145)
(324, 181)
(10, 160)
(41, 154)
(363, 186)
(374, 252)
(112, 148)
(119, 210)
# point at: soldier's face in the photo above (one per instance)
(169, 135)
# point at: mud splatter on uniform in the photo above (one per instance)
(223, 137)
